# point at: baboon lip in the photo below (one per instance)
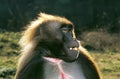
(71, 54)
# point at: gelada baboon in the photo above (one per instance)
(50, 50)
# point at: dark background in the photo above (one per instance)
(86, 14)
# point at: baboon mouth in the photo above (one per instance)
(70, 54)
(73, 52)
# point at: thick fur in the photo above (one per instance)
(29, 42)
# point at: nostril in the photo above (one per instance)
(76, 43)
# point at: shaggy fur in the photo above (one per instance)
(31, 38)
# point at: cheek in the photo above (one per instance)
(58, 36)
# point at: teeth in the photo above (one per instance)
(75, 48)
(70, 48)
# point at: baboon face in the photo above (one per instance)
(59, 39)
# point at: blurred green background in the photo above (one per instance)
(97, 25)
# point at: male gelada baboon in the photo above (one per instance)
(50, 50)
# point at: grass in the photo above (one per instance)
(108, 62)
(9, 52)
(8, 43)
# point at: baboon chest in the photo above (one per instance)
(58, 69)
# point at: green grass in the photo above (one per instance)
(9, 52)
(108, 62)
(8, 43)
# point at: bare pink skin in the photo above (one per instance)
(57, 61)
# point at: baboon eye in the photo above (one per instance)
(65, 30)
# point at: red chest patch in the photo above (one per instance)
(56, 61)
